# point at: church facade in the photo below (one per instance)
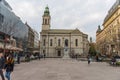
(53, 42)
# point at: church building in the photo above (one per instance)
(54, 42)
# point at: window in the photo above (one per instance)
(1, 18)
(44, 42)
(59, 42)
(43, 51)
(118, 21)
(66, 43)
(76, 42)
(51, 42)
(45, 21)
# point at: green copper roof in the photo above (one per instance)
(99, 29)
(46, 12)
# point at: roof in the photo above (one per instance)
(99, 29)
(62, 31)
(112, 10)
(46, 12)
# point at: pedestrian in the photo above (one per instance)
(9, 66)
(39, 56)
(28, 57)
(89, 59)
(44, 55)
(18, 58)
(113, 61)
(97, 58)
(2, 63)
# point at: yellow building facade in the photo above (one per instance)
(108, 38)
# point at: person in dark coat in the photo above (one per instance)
(39, 56)
(9, 66)
(97, 58)
(18, 58)
(2, 63)
(44, 55)
(89, 59)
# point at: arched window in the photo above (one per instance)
(59, 42)
(51, 42)
(45, 21)
(44, 42)
(66, 43)
(76, 42)
(43, 51)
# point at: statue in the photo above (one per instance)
(66, 43)
(66, 50)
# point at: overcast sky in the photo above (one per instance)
(85, 15)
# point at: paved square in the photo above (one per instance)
(59, 69)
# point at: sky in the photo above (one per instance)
(85, 15)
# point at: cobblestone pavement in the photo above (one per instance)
(59, 69)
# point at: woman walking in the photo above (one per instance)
(9, 65)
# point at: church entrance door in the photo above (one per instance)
(59, 53)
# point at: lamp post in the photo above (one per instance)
(118, 46)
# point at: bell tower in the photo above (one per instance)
(46, 19)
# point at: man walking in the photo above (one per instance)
(2, 63)
(89, 59)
